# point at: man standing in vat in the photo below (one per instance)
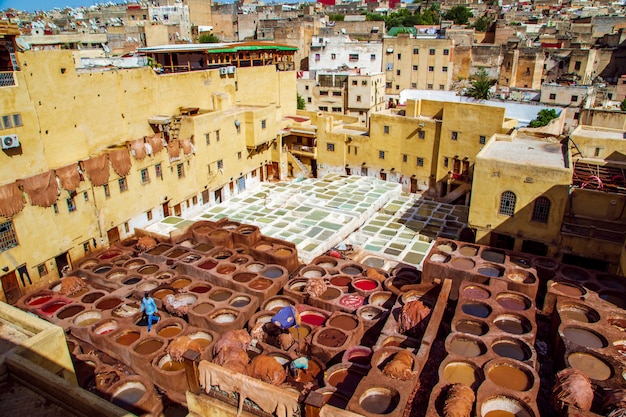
(150, 307)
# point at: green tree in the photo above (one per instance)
(460, 14)
(543, 118)
(623, 105)
(300, 102)
(483, 23)
(481, 85)
(208, 38)
(374, 17)
(336, 17)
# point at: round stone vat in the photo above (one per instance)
(102, 268)
(260, 284)
(262, 316)
(352, 269)
(116, 274)
(370, 314)
(238, 259)
(244, 277)
(53, 306)
(105, 327)
(127, 337)
(88, 263)
(475, 327)
(465, 346)
(273, 272)
(614, 297)
(263, 246)
(129, 394)
(513, 302)
(439, 257)
(297, 285)
(343, 321)
(468, 250)
(148, 269)
(509, 374)
(164, 275)
(520, 276)
(520, 261)
(313, 271)
(200, 288)
(330, 294)
(341, 281)
(148, 346)
(183, 300)
(353, 301)
(87, 318)
(379, 400)
(203, 308)
(574, 273)
(207, 264)
(240, 301)
(146, 286)
(107, 303)
(170, 327)
(502, 406)
(618, 321)
(476, 309)
(591, 365)
(325, 262)
(546, 267)
(611, 281)
(134, 263)
(331, 338)
(365, 286)
(384, 299)
(220, 294)
(381, 357)
(39, 298)
(255, 267)
(358, 355)
(277, 302)
(127, 309)
(313, 318)
(226, 269)
(224, 316)
(167, 364)
(461, 372)
(334, 397)
(493, 255)
(203, 339)
(222, 254)
(92, 297)
(475, 292)
(161, 293)
(490, 270)
(446, 246)
(508, 347)
(578, 312)
(463, 263)
(343, 377)
(181, 282)
(69, 311)
(109, 254)
(513, 324)
(583, 337)
(567, 288)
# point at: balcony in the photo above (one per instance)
(7, 79)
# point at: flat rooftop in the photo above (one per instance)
(599, 133)
(525, 150)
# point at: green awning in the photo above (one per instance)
(252, 48)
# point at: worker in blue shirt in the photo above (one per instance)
(150, 307)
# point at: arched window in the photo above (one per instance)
(541, 210)
(507, 203)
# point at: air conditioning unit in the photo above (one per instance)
(231, 69)
(10, 141)
(223, 71)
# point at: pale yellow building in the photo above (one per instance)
(424, 63)
(100, 132)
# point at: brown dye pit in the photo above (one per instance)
(218, 233)
(510, 377)
(380, 400)
(466, 347)
(149, 346)
(181, 283)
(463, 263)
(260, 284)
(159, 249)
(148, 269)
(243, 277)
(476, 310)
(345, 380)
(476, 293)
(172, 366)
(176, 253)
(583, 337)
(578, 313)
(169, 331)
(70, 311)
(567, 289)
(92, 297)
(108, 303)
(511, 325)
(330, 294)
(343, 322)
(471, 327)
(220, 295)
(511, 349)
(513, 302)
(468, 250)
(226, 269)
(200, 289)
(203, 308)
(331, 338)
(283, 252)
(341, 281)
(128, 338)
(460, 372)
(590, 365)
(203, 247)
(162, 293)
(208, 265)
(300, 333)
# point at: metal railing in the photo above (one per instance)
(7, 79)
(592, 232)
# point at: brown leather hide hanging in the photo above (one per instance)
(69, 176)
(138, 149)
(156, 142)
(42, 189)
(187, 146)
(97, 169)
(11, 200)
(120, 159)
(173, 149)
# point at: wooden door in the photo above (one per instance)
(12, 290)
(113, 235)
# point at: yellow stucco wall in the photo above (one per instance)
(71, 115)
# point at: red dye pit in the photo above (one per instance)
(52, 308)
(208, 265)
(313, 319)
(365, 285)
(39, 300)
